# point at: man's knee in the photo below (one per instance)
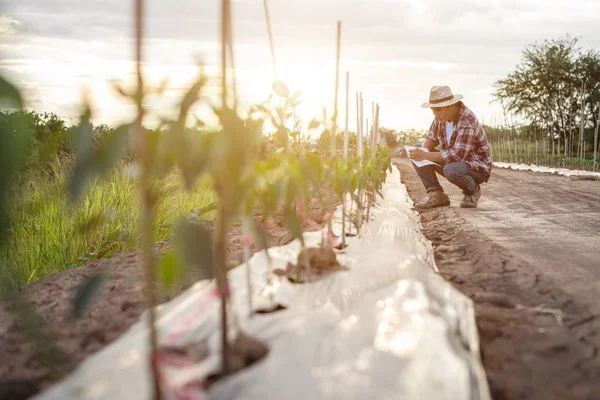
(454, 171)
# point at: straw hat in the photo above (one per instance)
(441, 96)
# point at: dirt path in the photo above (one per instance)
(528, 256)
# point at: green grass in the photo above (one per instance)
(49, 235)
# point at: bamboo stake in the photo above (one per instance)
(345, 158)
(270, 33)
(369, 133)
(246, 255)
(337, 84)
(373, 151)
(334, 129)
(359, 107)
(377, 134)
(372, 124)
(220, 246)
(360, 142)
(147, 210)
(346, 133)
(361, 161)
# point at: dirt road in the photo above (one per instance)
(529, 257)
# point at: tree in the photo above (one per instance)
(548, 87)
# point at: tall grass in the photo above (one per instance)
(50, 235)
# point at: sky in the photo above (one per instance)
(395, 51)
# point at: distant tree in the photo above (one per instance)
(548, 86)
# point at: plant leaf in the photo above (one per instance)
(281, 89)
(92, 162)
(191, 97)
(199, 212)
(292, 221)
(169, 267)
(314, 124)
(87, 292)
(10, 92)
(112, 148)
(197, 248)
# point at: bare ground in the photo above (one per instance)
(529, 257)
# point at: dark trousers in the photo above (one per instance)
(459, 173)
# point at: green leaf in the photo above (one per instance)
(198, 161)
(197, 248)
(190, 97)
(92, 162)
(312, 167)
(82, 135)
(11, 93)
(281, 136)
(314, 124)
(294, 224)
(169, 269)
(121, 90)
(281, 89)
(112, 148)
(296, 95)
(199, 212)
(87, 292)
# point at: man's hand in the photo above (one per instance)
(417, 154)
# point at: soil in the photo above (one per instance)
(111, 313)
(528, 256)
(321, 260)
(246, 351)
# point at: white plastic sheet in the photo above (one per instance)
(541, 168)
(389, 328)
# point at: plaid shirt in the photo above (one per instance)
(468, 142)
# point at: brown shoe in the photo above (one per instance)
(470, 201)
(434, 199)
(477, 194)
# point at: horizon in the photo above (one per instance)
(54, 49)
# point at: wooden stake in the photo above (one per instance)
(362, 116)
(270, 33)
(337, 80)
(357, 125)
(346, 133)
